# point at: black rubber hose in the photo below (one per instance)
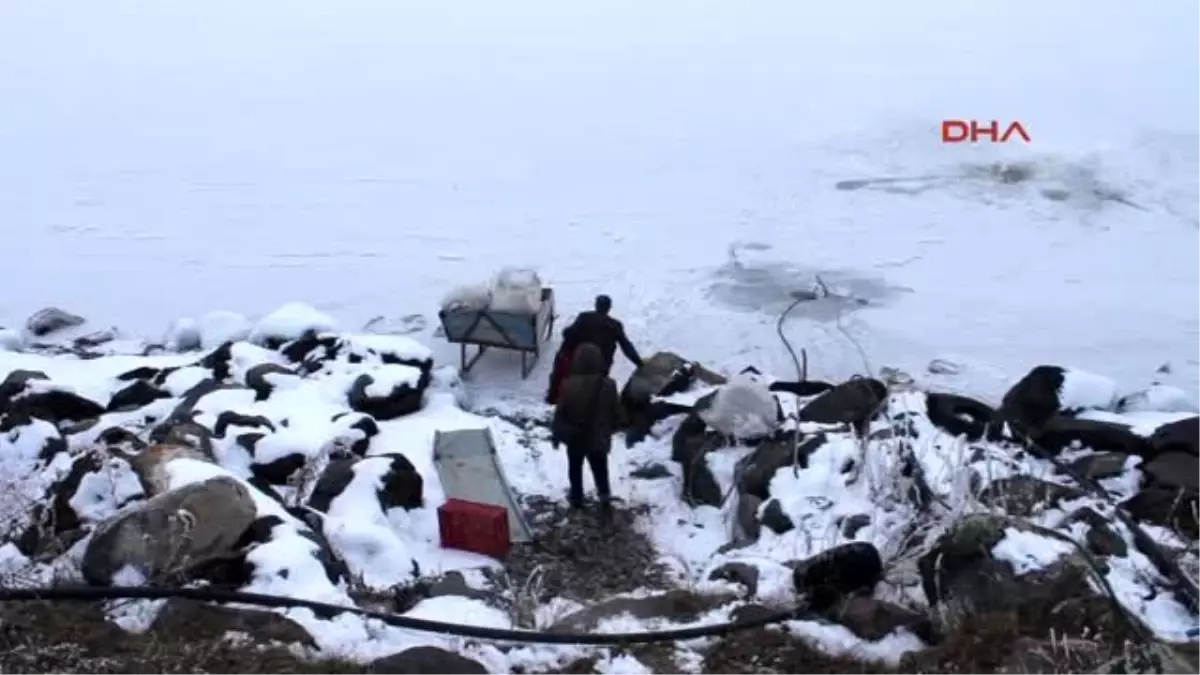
(91, 594)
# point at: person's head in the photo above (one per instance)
(603, 304)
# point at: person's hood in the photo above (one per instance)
(587, 360)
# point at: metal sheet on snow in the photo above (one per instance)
(470, 470)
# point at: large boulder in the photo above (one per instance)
(1101, 465)
(426, 660)
(136, 394)
(60, 517)
(298, 530)
(150, 464)
(16, 382)
(775, 519)
(333, 482)
(1179, 436)
(959, 415)
(209, 622)
(220, 326)
(1170, 494)
(738, 573)
(963, 577)
(172, 532)
(280, 470)
(219, 362)
(175, 430)
(756, 470)
(853, 402)
(183, 335)
(845, 570)
(51, 320)
(641, 421)
(743, 408)
(690, 447)
(31, 393)
(662, 374)
(746, 517)
(1166, 507)
(400, 486)
(357, 430)
(57, 405)
(1046, 391)
(314, 350)
(193, 398)
(232, 418)
(1174, 470)
(873, 619)
(289, 322)
(29, 437)
(389, 392)
(264, 377)
(396, 481)
(1060, 432)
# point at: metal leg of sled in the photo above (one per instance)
(465, 364)
(528, 363)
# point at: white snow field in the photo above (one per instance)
(188, 168)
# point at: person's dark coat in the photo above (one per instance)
(603, 331)
(558, 373)
(589, 408)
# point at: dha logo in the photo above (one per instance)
(959, 131)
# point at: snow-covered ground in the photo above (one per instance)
(698, 161)
(305, 414)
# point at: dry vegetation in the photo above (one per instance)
(37, 637)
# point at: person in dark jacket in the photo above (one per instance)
(598, 328)
(587, 415)
(601, 329)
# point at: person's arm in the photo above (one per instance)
(568, 334)
(556, 424)
(627, 346)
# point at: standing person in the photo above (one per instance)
(598, 328)
(587, 415)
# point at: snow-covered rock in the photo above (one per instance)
(184, 335)
(217, 328)
(289, 322)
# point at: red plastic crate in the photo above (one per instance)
(475, 527)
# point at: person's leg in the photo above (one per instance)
(598, 462)
(575, 459)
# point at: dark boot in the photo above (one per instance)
(598, 462)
